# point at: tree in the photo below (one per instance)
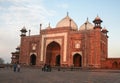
(1, 61)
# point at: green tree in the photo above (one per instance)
(1, 61)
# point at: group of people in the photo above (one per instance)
(16, 67)
(46, 68)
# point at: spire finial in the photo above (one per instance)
(87, 19)
(97, 15)
(40, 26)
(24, 27)
(49, 24)
(67, 13)
(104, 26)
(29, 32)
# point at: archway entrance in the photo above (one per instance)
(77, 60)
(58, 60)
(33, 59)
(53, 54)
(115, 65)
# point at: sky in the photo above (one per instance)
(15, 14)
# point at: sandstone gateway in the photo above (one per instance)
(66, 45)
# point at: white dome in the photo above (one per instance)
(89, 26)
(67, 22)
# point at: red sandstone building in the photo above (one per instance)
(67, 45)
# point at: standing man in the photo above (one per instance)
(18, 67)
(15, 67)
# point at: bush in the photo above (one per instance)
(1, 61)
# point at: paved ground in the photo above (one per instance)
(30, 75)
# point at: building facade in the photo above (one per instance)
(66, 45)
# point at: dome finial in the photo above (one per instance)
(97, 15)
(67, 13)
(49, 24)
(40, 26)
(24, 27)
(87, 19)
(29, 32)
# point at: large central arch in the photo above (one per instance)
(77, 60)
(53, 54)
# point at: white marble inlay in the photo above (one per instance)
(57, 40)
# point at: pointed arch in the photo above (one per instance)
(58, 60)
(77, 60)
(33, 59)
(53, 54)
(114, 64)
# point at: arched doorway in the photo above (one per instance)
(33, 59)
(115, 65)
(53, 54)
(77, 60)
(58, 60)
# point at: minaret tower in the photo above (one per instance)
(97, 42)
(23, 31)
(105, 31)
(97, 21)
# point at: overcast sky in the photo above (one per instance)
(14, 14)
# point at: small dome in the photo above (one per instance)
(104, 30)
(18, 48)
(88, 26)
(67, 22)
(97, 18)
(23, 29)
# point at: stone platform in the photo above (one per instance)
(35, 75)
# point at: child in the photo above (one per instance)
(18, 67)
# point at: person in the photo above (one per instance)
(15, 67)
(7, 65)
(72, 66)
(58, 68)
(11, 66)
(49, 68)
(44, 67)
(18, 67)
